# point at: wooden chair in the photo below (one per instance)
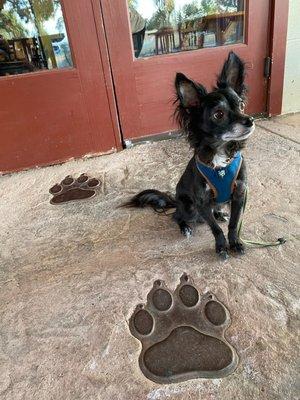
(165, 40)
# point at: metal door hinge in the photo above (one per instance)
(128, 144)
(267, 68)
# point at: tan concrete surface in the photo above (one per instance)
(286, 126)
(71, 275)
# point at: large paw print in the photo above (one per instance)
(182, 335)
(71, 189)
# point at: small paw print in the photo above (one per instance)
(182, 334)
(71, 189)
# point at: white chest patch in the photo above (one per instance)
(220, 160)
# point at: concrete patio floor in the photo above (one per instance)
(71, 276)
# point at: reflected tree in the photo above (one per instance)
(210, 7)
(37, 12)
(191, 9)
(10, 26)
(60, 24)
(162, 17)
(132, 3)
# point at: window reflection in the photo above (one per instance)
(170, 26)
(33, 36)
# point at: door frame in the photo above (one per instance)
(107, 70)
(277, 51)
(104, 64)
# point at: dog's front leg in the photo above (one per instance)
(185, 213)
(237, 202)
(221, 246)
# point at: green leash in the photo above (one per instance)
(253, 243)
(247, 242)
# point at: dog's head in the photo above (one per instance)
(216, 117)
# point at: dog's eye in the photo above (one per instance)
(218, 115)
(242, 106)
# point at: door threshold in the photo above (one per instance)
(129, 143)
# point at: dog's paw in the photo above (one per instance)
(223, 254)
(182, 334)
(186, 230)
(221, 216)
(71, 189)
(221, 247)
(237, 247)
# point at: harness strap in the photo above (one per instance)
(221, 180)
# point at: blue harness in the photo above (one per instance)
(221, 180)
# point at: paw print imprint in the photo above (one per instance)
(182, 335)
(71, 189)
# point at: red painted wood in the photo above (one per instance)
(107, 71)
(48, 117)
(279, 23)
(144, 87)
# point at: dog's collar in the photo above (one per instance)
(221, 180)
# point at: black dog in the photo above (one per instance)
(217, 129)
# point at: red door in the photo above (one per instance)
(50, 116)
(180, 38)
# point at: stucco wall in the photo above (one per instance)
(291, 94)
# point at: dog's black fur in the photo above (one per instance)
(215, 124)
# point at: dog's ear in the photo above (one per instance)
(189, 93)
(233, 74)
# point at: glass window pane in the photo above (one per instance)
(170, 26)
(33, 37)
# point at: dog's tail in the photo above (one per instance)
(159, 201)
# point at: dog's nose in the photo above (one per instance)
(248, 122)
